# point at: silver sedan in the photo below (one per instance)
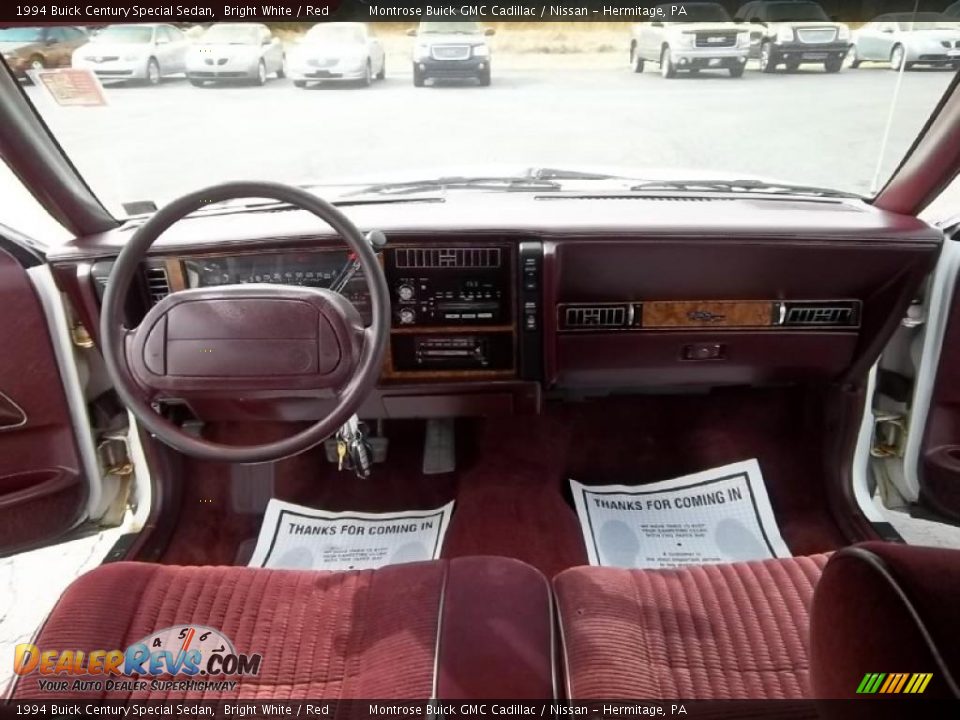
(906, 39)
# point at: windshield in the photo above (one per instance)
(796, 12)
(701, 12)
(133, 34)
(232, 34)
(21, 34)
(425, 111)
(450, 28)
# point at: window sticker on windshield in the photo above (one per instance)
(71, 87)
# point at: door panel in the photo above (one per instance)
(42, 489)
(939, 456)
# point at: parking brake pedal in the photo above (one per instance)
(439, 447)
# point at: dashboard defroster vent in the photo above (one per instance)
(587, 316)
(158, 285)
(834, 313)
(453, 258)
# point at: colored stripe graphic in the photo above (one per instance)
(894, 683)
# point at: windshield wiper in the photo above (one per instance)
(759, 187)
(500, 184)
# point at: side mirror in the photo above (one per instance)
(489, 31)
(412, 32)
(888, 29)
(267, 41)
(162, 41)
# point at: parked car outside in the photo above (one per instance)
(235, 51)
(36, 48)
(141, 52)
(337, 52)
(907, 39)
(791, 33)
(706, 38)
(451, 50)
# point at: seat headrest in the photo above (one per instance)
(890, 610)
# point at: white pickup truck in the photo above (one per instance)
(702, 37)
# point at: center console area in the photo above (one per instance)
(454, 312)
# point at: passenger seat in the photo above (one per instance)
(699, 632)
(792, 628)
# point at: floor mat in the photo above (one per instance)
(295, 537)
(721, 515)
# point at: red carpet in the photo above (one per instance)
(511, 480)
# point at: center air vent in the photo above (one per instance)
(452, 258)
(158, 285)
(585, 316)
(834, 313)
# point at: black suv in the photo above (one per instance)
(794, 32)
(454, 50)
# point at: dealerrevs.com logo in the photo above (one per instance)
(181, 657)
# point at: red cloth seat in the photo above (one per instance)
(476, 627)
(701, 632)
(888, 610)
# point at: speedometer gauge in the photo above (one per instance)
(306, 269)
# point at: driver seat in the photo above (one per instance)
(473, 627)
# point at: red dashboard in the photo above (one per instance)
(496, 301)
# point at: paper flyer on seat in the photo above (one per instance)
(716, 516)
(303, 538)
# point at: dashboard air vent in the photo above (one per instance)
(840, 313)
(157, 283)
(588, 316)
(453, 258)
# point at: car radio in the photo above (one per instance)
(443, 287)
(474, 351)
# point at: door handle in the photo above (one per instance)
(11, 415)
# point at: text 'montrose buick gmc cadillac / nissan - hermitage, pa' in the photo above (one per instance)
(574, 385)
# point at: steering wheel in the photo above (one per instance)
(236, 340)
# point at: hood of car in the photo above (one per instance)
(20, 48)
(111, 48)
(931, 35)
(333, 49)
(711, 27)
(224, 48)
(808, 24)
(451, 39)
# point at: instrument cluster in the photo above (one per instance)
(307, 269)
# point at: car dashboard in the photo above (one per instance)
(497, 300)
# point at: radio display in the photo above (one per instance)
(306, 269)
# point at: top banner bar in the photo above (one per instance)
(90, 13)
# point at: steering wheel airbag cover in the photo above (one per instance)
(247, 337)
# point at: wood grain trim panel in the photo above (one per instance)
(707, 314)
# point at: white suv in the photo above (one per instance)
(702, 37)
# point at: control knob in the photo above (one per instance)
(407, 316)
(405, 292)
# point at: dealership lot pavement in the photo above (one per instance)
(157, 142)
